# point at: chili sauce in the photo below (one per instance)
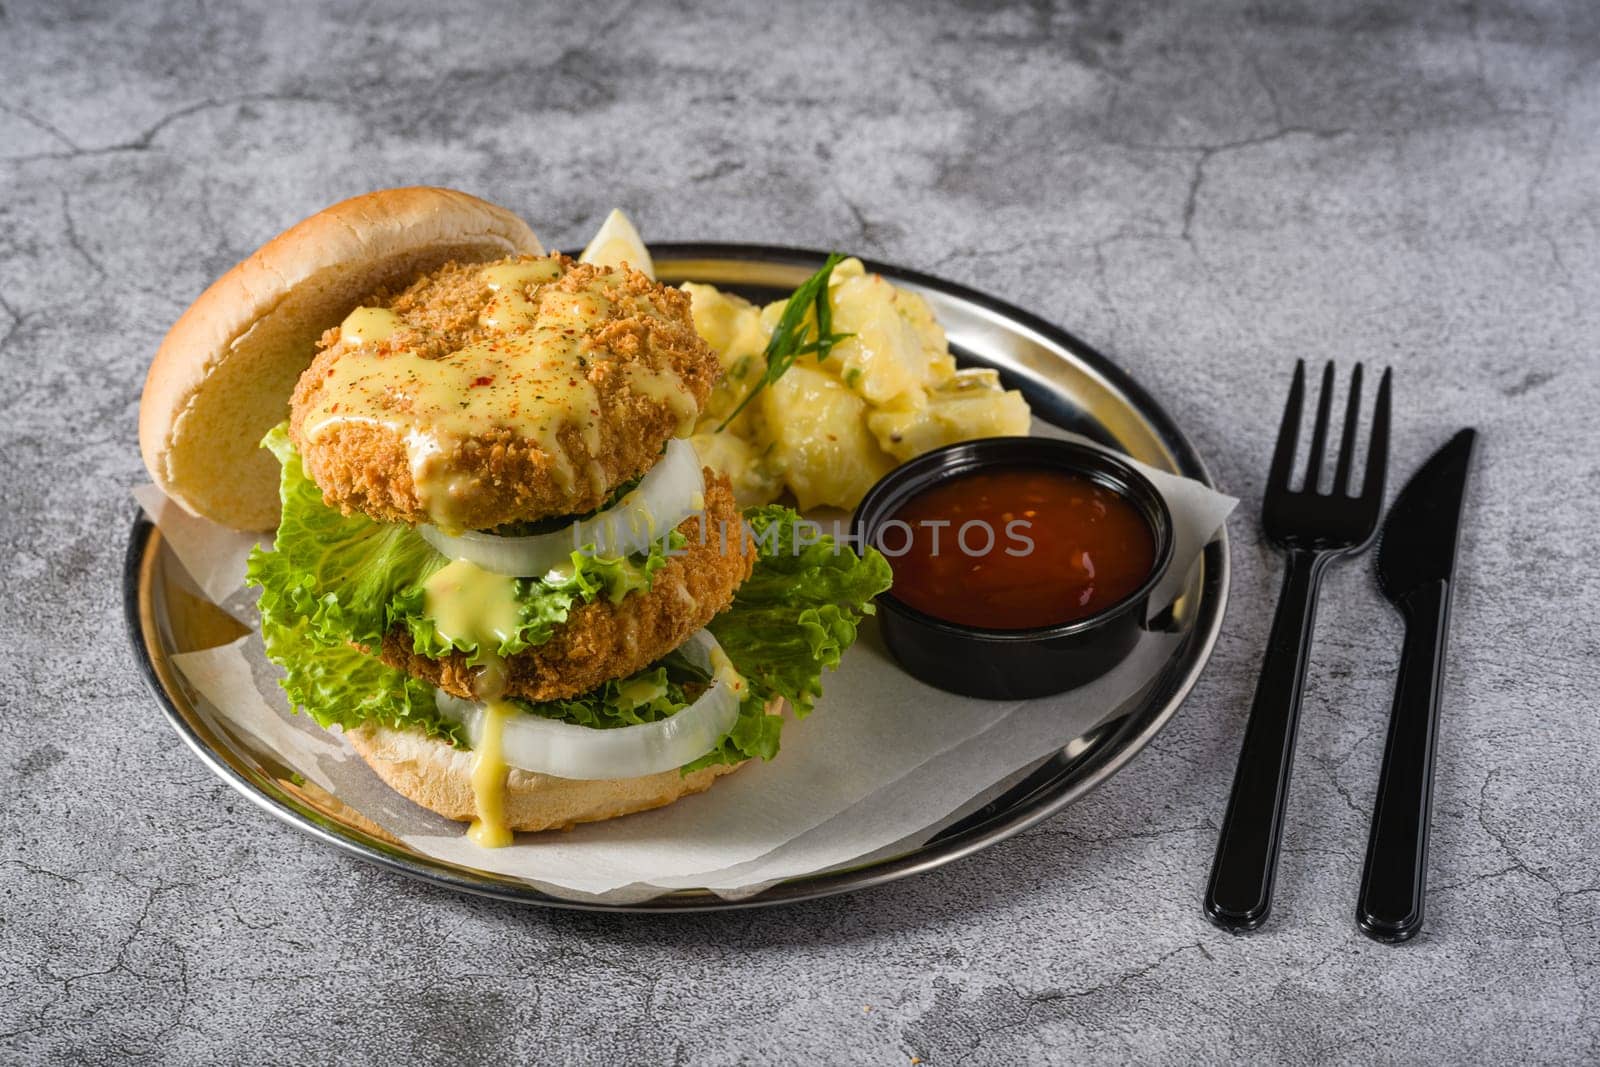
(1015, 548)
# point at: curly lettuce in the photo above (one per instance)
(793, 619)
(339, 685)
(657, 692)
(799, 611)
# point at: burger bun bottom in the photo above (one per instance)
(438, 776)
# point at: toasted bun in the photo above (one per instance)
(223, 376)
(432, 773)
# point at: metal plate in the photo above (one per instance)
(1066, 382)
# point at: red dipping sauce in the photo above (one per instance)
(1016, 548)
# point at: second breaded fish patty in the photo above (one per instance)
(600, 640)
(488, 394)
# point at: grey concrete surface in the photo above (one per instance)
(1204, 190)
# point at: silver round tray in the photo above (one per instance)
(1068, 384)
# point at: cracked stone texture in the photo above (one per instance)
(1204, 191)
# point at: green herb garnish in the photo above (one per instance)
(792, 339)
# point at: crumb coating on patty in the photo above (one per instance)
(499, 472)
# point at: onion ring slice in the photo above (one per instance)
(564, 750)
(670, 492)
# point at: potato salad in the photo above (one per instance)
(834, 422)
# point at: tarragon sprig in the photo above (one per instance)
(791, 338)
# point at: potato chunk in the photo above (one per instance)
(819, 433)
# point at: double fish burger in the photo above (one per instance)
(498, 566)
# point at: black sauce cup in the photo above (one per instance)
(1013, 664)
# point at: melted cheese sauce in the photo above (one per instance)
(469, 605)
(368, 326)
(531, 376)
(664, 387)
(511, 307)
(723, 670)
(489, 774)
(637, 691)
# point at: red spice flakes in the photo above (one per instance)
(484, 379)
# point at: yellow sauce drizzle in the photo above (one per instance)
(365, 325)
(469, 605)
(511, 307)
(489, 774)
(630, 633)
(665, 387)
(489, 680)
(724, 671)
(637, 691)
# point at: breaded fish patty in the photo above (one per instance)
(601, 640)
(474, 399)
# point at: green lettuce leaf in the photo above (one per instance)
(799, 611)
(793, 619)
(657, 692)
(342, 574)
(336, 684)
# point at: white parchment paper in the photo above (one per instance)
(883, 762)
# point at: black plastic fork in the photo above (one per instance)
(1314, 529)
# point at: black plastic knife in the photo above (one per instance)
(1416, 565)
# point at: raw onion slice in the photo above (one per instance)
(670, 492)
(563, 750)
